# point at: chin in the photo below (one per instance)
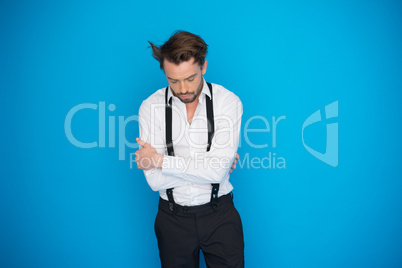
(190, 100)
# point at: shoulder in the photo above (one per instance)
(157, 98)
(223, 96)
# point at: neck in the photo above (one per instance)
(193, 105)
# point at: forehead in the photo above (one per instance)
(182, 70)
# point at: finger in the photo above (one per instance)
(230, 171)
(233, 166)
(139, 166)
(237, 156)
(142, 143)
(235, 161)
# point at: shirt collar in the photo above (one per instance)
(204, 91)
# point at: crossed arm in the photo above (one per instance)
(164, 171)
(148, 158)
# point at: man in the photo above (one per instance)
(189, 137)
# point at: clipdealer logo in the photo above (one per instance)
(272, 161)
(101, 143)
(330, 156)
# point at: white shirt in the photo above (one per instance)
(192, 170)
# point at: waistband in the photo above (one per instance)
(188, 210)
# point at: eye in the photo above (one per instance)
(173, 81)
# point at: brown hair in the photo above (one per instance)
(181, 46)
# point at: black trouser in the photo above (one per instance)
(181, 235)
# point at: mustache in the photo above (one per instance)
(187, 93)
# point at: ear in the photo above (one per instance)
(204, 67)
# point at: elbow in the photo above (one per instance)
(152, 180)
(221, 169)
(153, 186)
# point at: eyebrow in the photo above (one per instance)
(191, 76)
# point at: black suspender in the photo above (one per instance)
(210, 117)
(211, 131)
(168, 120)
(169, 143)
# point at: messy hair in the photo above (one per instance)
(181, 47)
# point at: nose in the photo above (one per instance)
(183, 87)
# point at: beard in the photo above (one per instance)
(193, 95)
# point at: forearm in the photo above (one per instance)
(158, 181)
(203, 168)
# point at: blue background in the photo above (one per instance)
(63, 206)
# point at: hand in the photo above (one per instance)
(234, 163)
(147, 157)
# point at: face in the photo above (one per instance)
(185, 79)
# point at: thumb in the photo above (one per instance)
(142, 143)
